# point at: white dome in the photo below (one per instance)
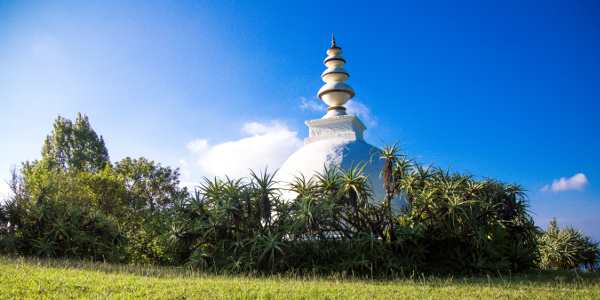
(339, 152)
(334, 142)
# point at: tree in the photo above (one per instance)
(149, 185)
(152, 192)
(74, 146)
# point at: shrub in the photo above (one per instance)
(451, 223)
(56, 229)
(566, 248)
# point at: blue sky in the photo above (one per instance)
(509, 90)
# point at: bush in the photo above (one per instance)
(450, 223)
(566, 248)
(55, 229)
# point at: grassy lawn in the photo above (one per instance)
(50, 279)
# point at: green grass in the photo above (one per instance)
(31, 278)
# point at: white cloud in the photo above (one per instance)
(312, 105)
(576, 182)
(264, 145)
(362, 111)
(198, 145)
(354, 107)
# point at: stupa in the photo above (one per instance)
(336, 139)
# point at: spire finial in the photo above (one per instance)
(335, 92)
(333, 44)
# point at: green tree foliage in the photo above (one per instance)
(55, 214)
(151, 193)
(566, 248)
(73, 202)
(149, 185)
(74, 146)
(65, 203)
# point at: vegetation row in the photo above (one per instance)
(74, 202)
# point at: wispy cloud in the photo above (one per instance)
(197, 145)
(362, 111)
(354, 107)
(576, 182)
(263, 145)
(312, 105)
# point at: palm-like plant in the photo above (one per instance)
(232, 205)
(328, 182)
(457, 210)
(354, 186)
(305, 215)
(389, 155)
(302, 186)
(270, 247)
(513, 204)
(211, 189)
(403, 174)
(265, 188)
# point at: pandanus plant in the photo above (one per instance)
(328, 182)
(302, 186)
(389, 155)
(265, 188)
(356, 192)
(355, 188)
(391, 184)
